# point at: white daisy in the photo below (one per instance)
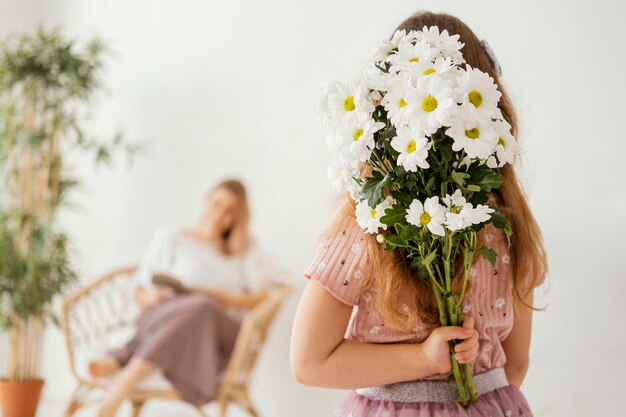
(413, 147)
(435, 104)
(443, 67)
(430, 214)
(472, 133)
(369, 218)
(478, 89)
(412, 58)
(455, 201)
(348, 102)
(447, 44)
(387, 46)
(341, 174)
(507, 147)
(400, 102)
(375, 79)
(467, 215)
(359, 138)
(479, 214)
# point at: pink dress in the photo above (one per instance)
(338, 264)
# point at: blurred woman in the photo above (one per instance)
(189, 335)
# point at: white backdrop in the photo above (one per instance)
(231, 87)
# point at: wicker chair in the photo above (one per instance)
(91, 315)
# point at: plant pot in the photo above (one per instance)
(20, 398)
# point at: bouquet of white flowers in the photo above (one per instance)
(427, 127)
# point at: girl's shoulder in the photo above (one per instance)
(340, 259)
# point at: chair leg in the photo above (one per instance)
(250, 409)
(201, 411)
(221, 407)
(75, 402)
(136, 407)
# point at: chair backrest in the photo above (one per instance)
(251, 338)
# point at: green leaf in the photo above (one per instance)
(459, 177)
(485, 178)
(394, 214)
(489, 254)
(429, 258)
(374, 188)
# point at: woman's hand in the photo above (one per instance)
(148, 297)
(222, 297)
(437, 351)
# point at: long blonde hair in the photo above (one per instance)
(236, 239)
(397, 285)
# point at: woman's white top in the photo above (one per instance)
(198, 263)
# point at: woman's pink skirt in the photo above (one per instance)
(504, 401)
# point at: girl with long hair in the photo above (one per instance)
(366, 323)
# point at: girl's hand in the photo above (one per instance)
(437, 351)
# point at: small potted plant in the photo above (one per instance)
(45, 83)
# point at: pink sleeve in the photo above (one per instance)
(340, 260)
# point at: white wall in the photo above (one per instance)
(231, 88)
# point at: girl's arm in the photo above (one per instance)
(320, 355)
(517, 343)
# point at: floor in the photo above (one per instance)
(154, 408)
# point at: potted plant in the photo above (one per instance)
(45, 83)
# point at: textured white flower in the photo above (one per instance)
(443, 67)
(385, 47)
(467, 216)
(348, 102)
(400, 102)
(413, 147)
(478, 89)
(455, 201)
(358, 138)
(435, 104)
(369, 218)
(412, 58)
(430, 214)
(472, 133)
(341, 173)
(507, 147)
(448, 45)
(375, 79)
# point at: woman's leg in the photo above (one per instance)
(123, 384)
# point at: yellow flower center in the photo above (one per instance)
(410, 148)
(429, 71)
(425, 218)
(455, 209)
(414, 59)
(429, 103)
(373, 213)
(473, 133)
(501, 142)
(348, 103)
(358, 134)
(476, 98)
(401, 103)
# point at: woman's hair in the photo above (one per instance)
(397, 285)
(236, 239)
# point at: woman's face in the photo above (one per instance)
(220, 211)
